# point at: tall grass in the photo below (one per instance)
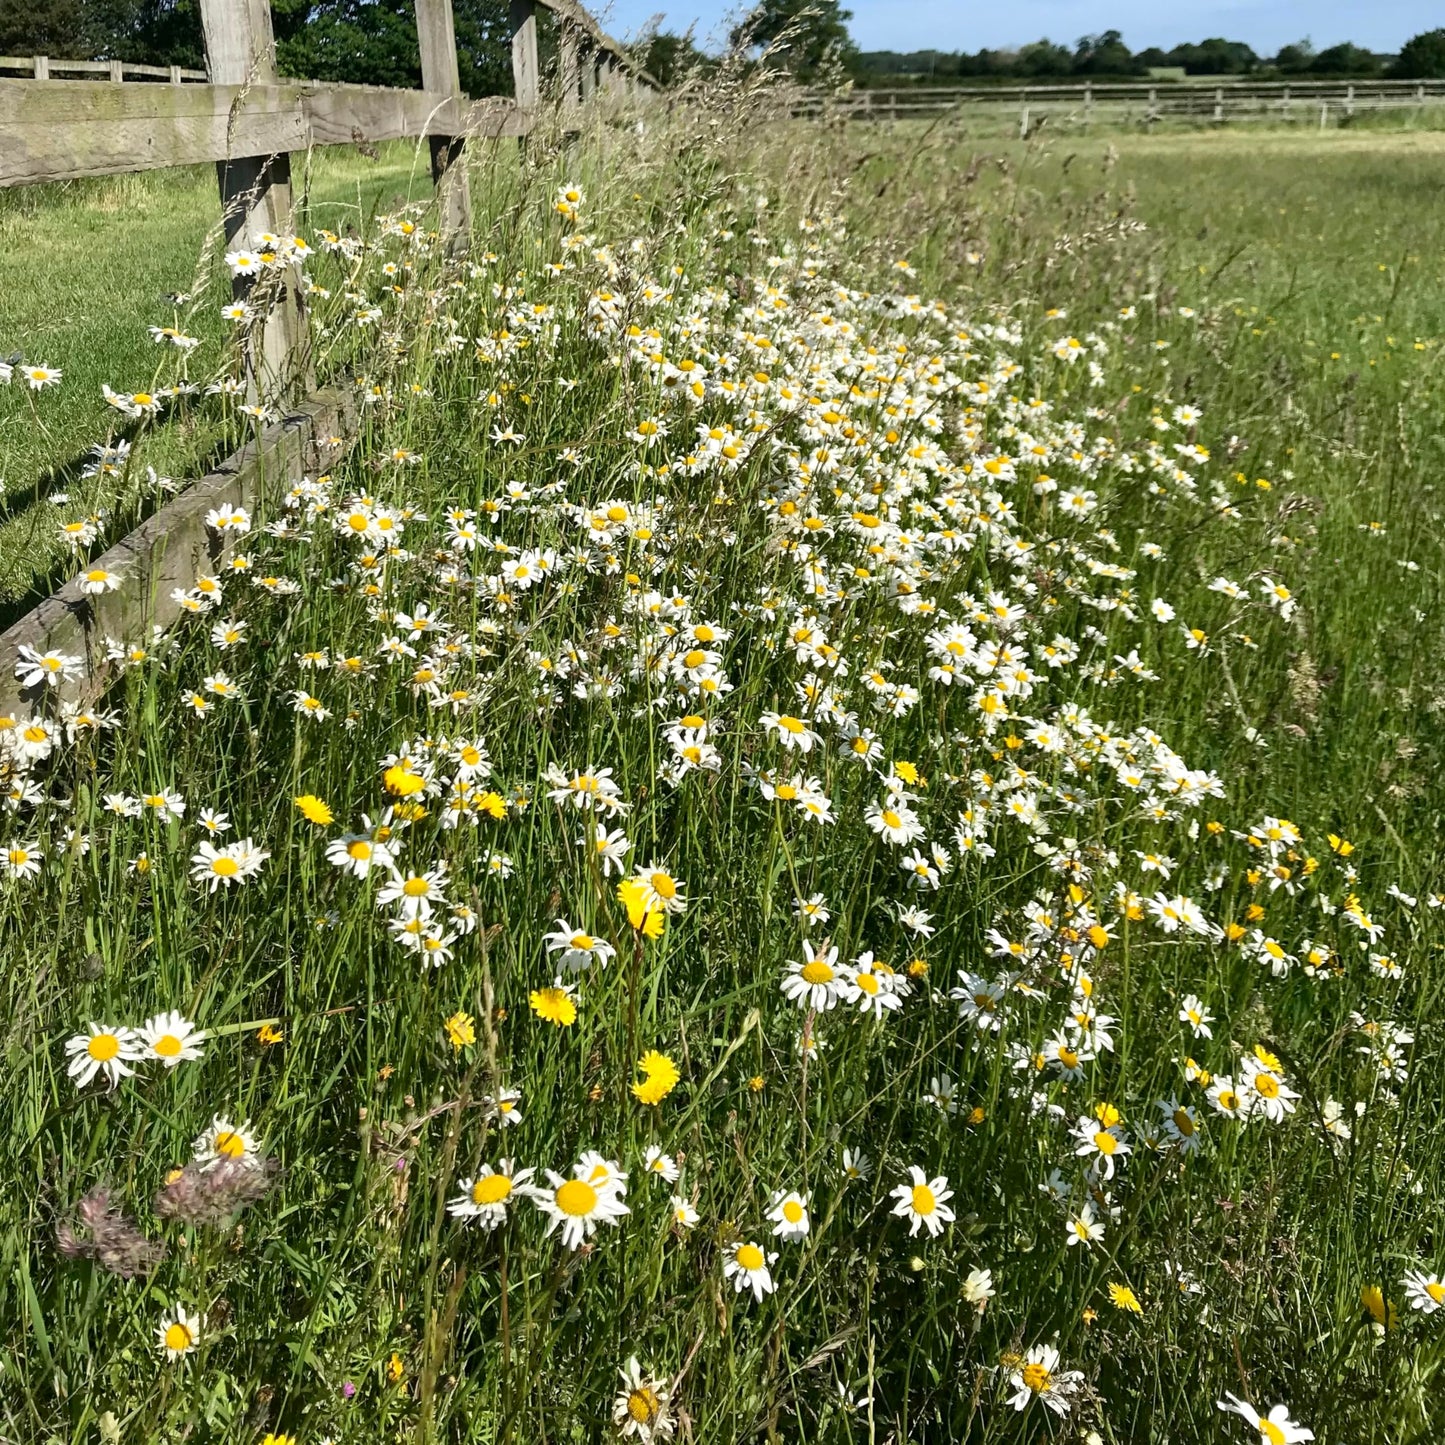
(348, 1302)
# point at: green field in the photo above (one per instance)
(1007, 687)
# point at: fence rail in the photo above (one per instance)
(1220, 102)
(44, 67)
(241, 115)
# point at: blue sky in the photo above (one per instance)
(970, 24)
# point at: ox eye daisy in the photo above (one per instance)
(179, 1332)
(487, 1197)
(923, 1202)
(747, 1266)
(642, 1408)
(226, 1141)
(102, 1049)
(576, 1206)
(171, 1038)
(789, 1216)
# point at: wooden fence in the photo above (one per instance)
(1309, 101)
(240, 115)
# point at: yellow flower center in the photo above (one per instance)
(1271, 1432)
(891, 818)
(359, 849)
(225, 867)
(576, 1198)
(1036, 1377)
(663, 885)
(492, 1190)
(168, 1046)
(1266, 1086)
(792, 725)
(750, 1256)
(230, 1143)
(178, 1337)
(1183, 1122)
(416, 888)
(817, 972)
(923, 1200)
(643, 1404)
(1436, 1291)
(1105, 1142)
(867, 983)
(583, 942)
(103, 1048)
(792, 1211)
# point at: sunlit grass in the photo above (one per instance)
(348, 1302)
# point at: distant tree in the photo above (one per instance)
(1153, 57)
(814, 31)
(61, 28)
(1215, 56)
(1104, 54)
(1042, 58)
(671, 59)
(1346, 59)
(1421, 57)
(1295, 59)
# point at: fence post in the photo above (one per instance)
(175, 75)
(436, 36)
(256, 198)
(589, 70)
(524, 55)
(42, 67)
(569, 80)
(1219, 103)
(117, 74)
(1349, 100)
(1088, 102)
(1024, 123)
(1153, 103)
(1324, 112)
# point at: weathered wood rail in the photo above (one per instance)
(242, 116)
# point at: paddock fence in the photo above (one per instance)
(241, 116)
(1306, 102)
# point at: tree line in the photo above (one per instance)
(374, 42)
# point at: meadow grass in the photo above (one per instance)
(1133, 787)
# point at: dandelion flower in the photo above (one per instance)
(556, 1003)
(659, 1078)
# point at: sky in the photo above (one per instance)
(972, 24)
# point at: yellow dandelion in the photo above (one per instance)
(1123, 1298)
(659, 1078)
(461, 1030)
(554, 1004)
(313, 809)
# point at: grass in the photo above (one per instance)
(347, 1302)
(86, 268)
